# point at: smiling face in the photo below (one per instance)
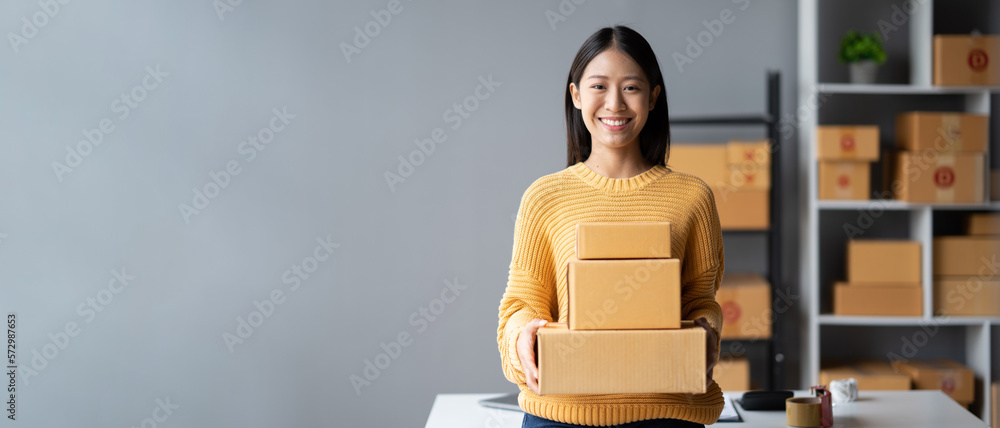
(615, 99)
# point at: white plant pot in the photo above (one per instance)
(863, 72)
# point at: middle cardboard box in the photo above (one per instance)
(624, 294)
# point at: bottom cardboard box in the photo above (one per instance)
(964, 296)
(732, 374)
(743, 209)
(621, 361)
(871, 376)
(928, 176)
(844, 180)
(745, 299)
(952, 378)
(891, 300)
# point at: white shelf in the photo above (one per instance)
(829, 319)
(894, 205)
(980, 348)
(886, 89)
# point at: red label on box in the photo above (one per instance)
(948, 385)
(944, 177)
(731, 312)
(844, 181)
(978, 60)
(847, 142)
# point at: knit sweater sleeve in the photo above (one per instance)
(530, 289)
(704, 263)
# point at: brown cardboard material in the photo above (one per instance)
(967, 256)
(621, 361)
(755, 153)
(983, 224)
(743, 209)
(705, 161)
(745, 299)
(966, 296)
(732, 374)
(965, 60)
(941, 131)
(950, 377)
(871, 376)
(844, 180)
(887, 300)
(632, 240)
(747, 176)
(883, 261)
(847, 143)
(624, 294)
(928, 177)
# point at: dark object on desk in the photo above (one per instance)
(765, 400)
(506, 402)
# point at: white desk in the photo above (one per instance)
(884, 409)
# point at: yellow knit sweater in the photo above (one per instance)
(545, 239)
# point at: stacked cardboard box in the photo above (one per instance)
(739, 174)
(954, 379)
(883, 278)
(967, 269)
(872, 375)
(963, 60)
(746, 306)
(845, 155)
(732, 374)
(624, 331)
(941, 157)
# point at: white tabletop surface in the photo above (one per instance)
(886, 409)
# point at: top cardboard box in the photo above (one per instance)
(748, 152)
(847, 143)
(706, 161)
(965, 60)
(631, 240)
(941, 131)
(881, 261)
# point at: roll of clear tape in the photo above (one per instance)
(844, 390)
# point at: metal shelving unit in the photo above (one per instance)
(773, 367)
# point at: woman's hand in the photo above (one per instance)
(711, 347)
(526, 352)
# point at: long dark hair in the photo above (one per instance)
(654, 138)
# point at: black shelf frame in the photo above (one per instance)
(774, 368)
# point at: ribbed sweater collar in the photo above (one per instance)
(617, 185)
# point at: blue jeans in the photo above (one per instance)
(532, 421)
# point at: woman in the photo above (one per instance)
(618, 138)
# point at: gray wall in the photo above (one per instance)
(163, 336)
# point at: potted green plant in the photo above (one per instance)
(863, 53)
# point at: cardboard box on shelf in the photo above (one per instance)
(952, 378)
(748, 176)
(871, 261)
(754, 153)
(624, 294)
(967, 256)
(705, 161)
(966, 296)
(621, 361)
(935, 177)
(743, 209)
(732, 374)
(746, 306)
(941, 131)
(628, 240)
(966, 60)
(844, 180)
(983, 224)
(871, 375)
(880, 300)
(847, 143)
